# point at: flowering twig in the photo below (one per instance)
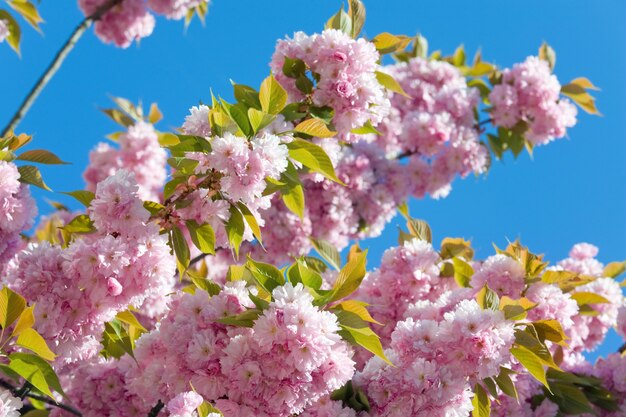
(56, 64)
(156, 409)
(43, 399)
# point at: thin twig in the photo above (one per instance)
(156, 409)
(56, 64)
(43, 399)
(484, 122)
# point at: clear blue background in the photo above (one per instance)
(572, 190)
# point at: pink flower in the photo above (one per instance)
(9, 405)
(184, 404)
(4, 30)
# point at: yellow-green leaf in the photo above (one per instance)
(41, 156)
(481, 402)
(36, 371)
(583, 298)
(350, 276)
(155, 114)
(30, 174)
(358, 308)
(11, 307)
(313, 157)
(272, 96)
(531, 362)
(26, 321)
(390, 83)
(31, 340)
(315, 127)
(614, 269)
(15, 33)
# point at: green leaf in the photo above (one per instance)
(129, 318)
(11, 307)
(272, 96)
(328, 252)
(313, 157)
(28, 11)
(80, 224)
(36, 371)
(578, 93)
(180, 246)
(550, 330)
(350, 277)
(367, 128)
(365, 338)
(356, 11)
(487, 299)
(531, 362)
(30, 174)
(83, 196)
(314, 127)
(25, 321)
(298, 272)
(547, 54)
(390, 83)
(419, 229)
(15, 33)
(584, 298)
(204, 284)
(239, 113)
(614, 269)
(247, 95)
(294, 68)
(41, 156)
(293, 197)
(340, 21)
(455, 247)
(116, 341)
(458, 59)
(463, 272)
(505, 383)
(386, 42)
(266, 275)
(235, 228)
(202, 236)
(245, 319)
(31, 340)
(259, 119)
(251, 221)
(481, 402)
(358, 308)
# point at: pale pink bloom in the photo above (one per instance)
(9, 405)
(197, 122)
(184, 404)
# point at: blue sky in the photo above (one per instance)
(572, 190)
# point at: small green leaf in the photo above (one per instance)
(202, 236)
(420, 229)
(313, 157)
(235, 228)
(454, 247)
(272, 96)
(505, 383)
(390, 83)
(41, 156)
(80, 224)
(83, 196)
(358, 308)
(251, 221)
(11, 307)
(463, 272)
(25, 321)
(31, 340)
(546, 53)
(328, 252)
(15, 33)
(365, 338)
(487, 299)
(481, 402)
(614, 269)
(180, 246)
(367, 128)
(30, 174)
(531, 362)
(36, 371)
(350, 277)
(584, 298)
(314, 127)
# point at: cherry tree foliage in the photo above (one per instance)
(204, 276)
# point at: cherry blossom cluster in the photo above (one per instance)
(17, 211)
(435, 125)
(345, 74)
(79, 288)
(130, 20)
(139, 152)
(291, 357)
(529, 93)
(437, 357)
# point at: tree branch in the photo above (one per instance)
(43, 399)
(156, 409)
(54, 66)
